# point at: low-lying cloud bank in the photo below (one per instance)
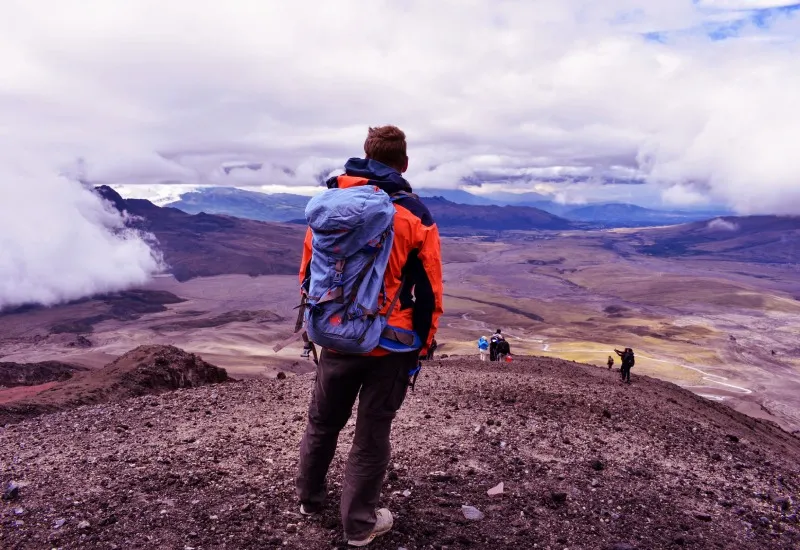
(60, 241)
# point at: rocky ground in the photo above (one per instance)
(585, 462)
(33, 374)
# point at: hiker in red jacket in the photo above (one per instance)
(410, 304)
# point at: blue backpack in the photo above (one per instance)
(352, 236)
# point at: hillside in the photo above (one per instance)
(452, 216)
(275, 207)
(32, 374)
(758, 239)
(586, 463)
(203, 245)
(631, 215)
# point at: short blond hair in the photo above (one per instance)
(386, 144)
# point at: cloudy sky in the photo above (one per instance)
(696, 98)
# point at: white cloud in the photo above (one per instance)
(59, 241)
(551, 83)
(683, 195)
(720, 224)
(149, 92)
(159, 194)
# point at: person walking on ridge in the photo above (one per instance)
(610, 362)
(431, 349)
(493, 343)
(409, 295)
(628, 360)
(503, 350)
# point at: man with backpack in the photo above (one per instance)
(497, 337)
(628, 360)
(503, 349)
(371, 276)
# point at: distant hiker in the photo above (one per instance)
(610, 362)
(503, 350)
(483, 347)
(431, 349)
(628, 360)
(374, 311)
(496, 338)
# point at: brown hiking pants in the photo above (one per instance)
(380, 384)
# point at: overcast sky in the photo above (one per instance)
(698, 98)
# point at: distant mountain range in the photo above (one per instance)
(278, 207)
(452, 216)
(630, 215)
(451, 208)
(203, 245)
(198, 245)
(291, 208)
(757, 239)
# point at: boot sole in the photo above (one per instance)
(369, 539)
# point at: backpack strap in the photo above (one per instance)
(362, 275)
(413, 375)
(396, 297)
(299, 333)
(335, 292)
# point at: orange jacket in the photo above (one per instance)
(416, 251)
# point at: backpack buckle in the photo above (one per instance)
(338, 272)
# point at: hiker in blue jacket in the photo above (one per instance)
(483, 347)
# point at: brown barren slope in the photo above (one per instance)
(33, 374)
(587, 463)
(144, 370)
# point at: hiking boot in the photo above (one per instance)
(310, 510)
(383, 525)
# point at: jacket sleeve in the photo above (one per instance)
(306, 261)
(429, 290)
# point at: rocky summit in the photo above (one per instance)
(540, 453)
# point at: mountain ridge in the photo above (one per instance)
(291, 209)
(198, 245)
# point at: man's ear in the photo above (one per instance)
(405, 166)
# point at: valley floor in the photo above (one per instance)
(726, 330)
(586, 463)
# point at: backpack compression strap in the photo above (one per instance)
(299, 333)
(334, 293)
